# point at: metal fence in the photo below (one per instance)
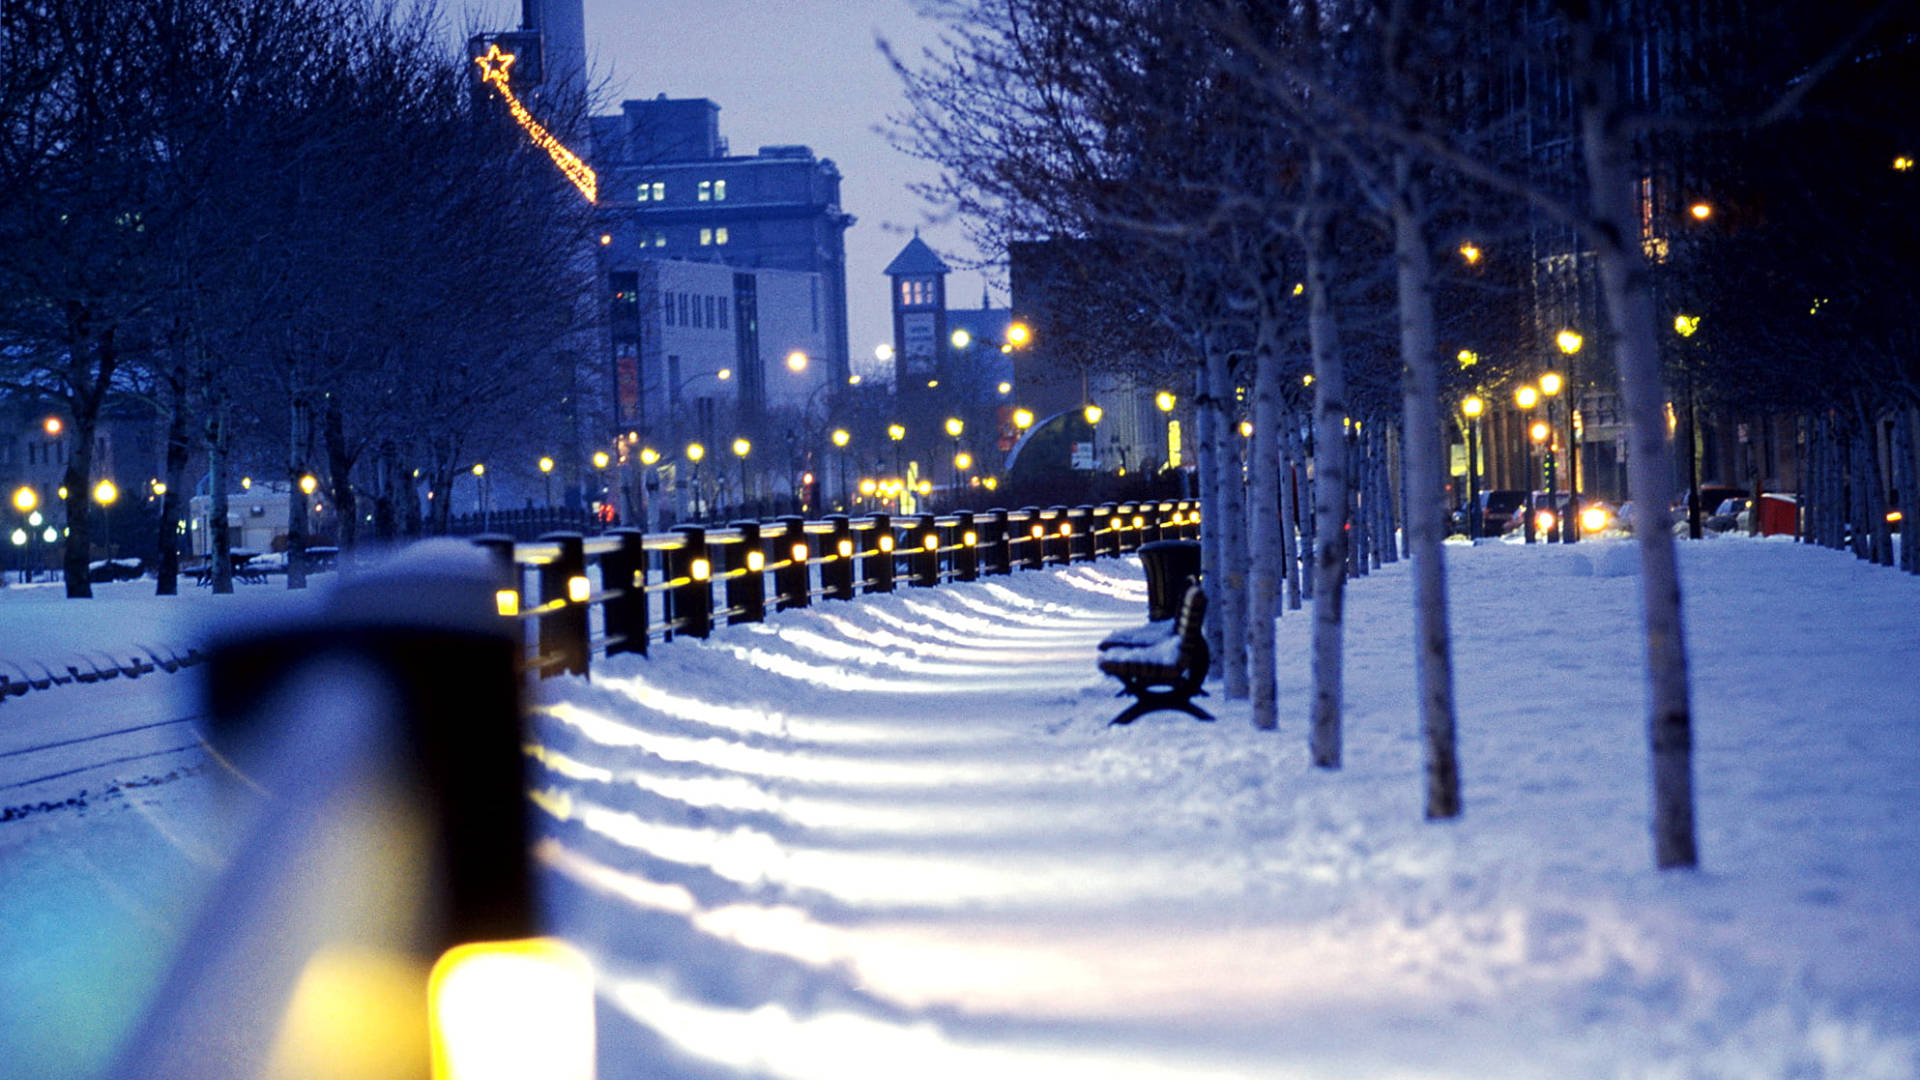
(576, 596)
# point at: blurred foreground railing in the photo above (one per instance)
(621, 592)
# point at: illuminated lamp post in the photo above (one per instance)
(105, 493)
(1550, 386)
(1473, 408)
(1165, 401)
(841, 438)
(546, 471)
(954, 428)
(1685, 326)
(1526, 398)
(695, 452)
(897, 433)
(1569, 343)
(741, 448)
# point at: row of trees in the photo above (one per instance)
(285, 223)
(1288, 193)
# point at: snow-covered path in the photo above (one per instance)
(896, 838)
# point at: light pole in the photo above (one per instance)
(1550, 386)
(1526, 398)
(897, 433)
(741, 448)
(546, 471)
(650, 507)
(695, 452)
(479, 493)
(105, 493)
(840, 440)
(1570, 343)
(1542, 433)
(954, 428)
(1685, 325)
(1473, 407)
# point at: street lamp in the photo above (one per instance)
(796, 361)
(1023, 418)
(25, 499)
(1019, 335)
(1686, 326)
(954, 428)
(105, 493)
(1092, 412)
(1473, 408)
(546, 471)
(1526, 397)
(741, 448)
(840, 439)
(897, 432)
(695, 452)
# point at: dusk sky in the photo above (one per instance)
(789, 71)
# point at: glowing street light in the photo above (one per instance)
(955, 426)
(1685, 325)
(1164, 400)
(25, 499)
(1470, 252)
(649, 456)
(1569, 341)
(1023, 418)
(1092, 413)
(602, 459)
(1019, 335)
(883, 352)
(960, 338)
(1473, 408)
(841, 438)
(311, 483)
(796, 361)
(52, 426)
(1527, 396)
(1005, 388)
(1550, 384)
(1701, 211)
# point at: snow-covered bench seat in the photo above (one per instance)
(1134, 637)
(1167, 673)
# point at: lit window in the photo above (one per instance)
(706, 237)
(659, 239)
(720, 235)
(656, 191)
(719, 191)
(706, 191)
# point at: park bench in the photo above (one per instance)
(1171, 566)
(1167, 673)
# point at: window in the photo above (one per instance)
(653, 191)
(723, 313)
(706, 237)
(916, 292)
(713, 319)
(666, 303)
(706, 191)
(659, 239)
(719, 191)
(684, 320)
(720, 235)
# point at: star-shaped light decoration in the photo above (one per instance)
(493, 71)
(494, 65)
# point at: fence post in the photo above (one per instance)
(1101, 528)
(563, 629)
(993, 541)
(966, 547)
(1034, 555)
(691, 571)
(1080, 540)
(747, 575)
(879, 565)
(793, 581)
(836, 572)
(623, 574)
(923, 559)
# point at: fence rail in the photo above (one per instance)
(620, 592)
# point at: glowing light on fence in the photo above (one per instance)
(507, 602)
(502, 1009)
(886, 543)
(756, 561)
(1039, 530)
(701, 570)
(931, 541)
(578, 589)
(845, 548)
(799, 553)
(493, 70)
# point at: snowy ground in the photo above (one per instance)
(896, 838)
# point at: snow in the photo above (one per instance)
(895, 837)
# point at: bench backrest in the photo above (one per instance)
(1188, 623)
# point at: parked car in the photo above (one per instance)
(1499, 513)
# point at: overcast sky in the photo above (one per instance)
(789, 71)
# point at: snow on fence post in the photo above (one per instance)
(746, 564)
(563, 620)
(993, 540)
(1034, 536)
(623, 575)
(878, 569)
(690, 569)
(966, 549)
(792, 579)
(836, 571)
(923, 556)
(1080, 537)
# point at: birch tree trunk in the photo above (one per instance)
(1424, 478)
(219, 538)
(1263, 584)
(1206, 418)
(1906, 479)
(1232, 518)
(1605, 147)
(1290, 478)
(300, 421)
(1329, 482)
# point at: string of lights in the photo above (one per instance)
(493, 70)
